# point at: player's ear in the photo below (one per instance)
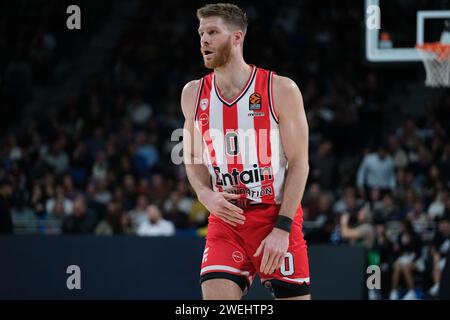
(238, 37)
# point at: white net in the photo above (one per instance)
(436, 59)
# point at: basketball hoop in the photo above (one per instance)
(436, 58)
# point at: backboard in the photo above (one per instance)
(403, 25)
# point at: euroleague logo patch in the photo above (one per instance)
(237, 256)
(254, 102)
(204, 119)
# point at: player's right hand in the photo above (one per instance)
(218, 203)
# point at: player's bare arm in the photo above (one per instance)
(294, 137)
(217, 203)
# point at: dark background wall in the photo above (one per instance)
(33, 267)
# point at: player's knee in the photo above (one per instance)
(220, 289)
(287, 290)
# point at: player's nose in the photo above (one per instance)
(204, 39)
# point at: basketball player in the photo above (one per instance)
(251, 124)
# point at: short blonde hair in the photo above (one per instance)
(229, 12)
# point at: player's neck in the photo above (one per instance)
(233, 76)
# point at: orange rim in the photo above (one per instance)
(442, 51)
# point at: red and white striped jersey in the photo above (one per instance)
(244, 153)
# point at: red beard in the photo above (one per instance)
(221, 56)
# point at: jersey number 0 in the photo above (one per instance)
(231, 143)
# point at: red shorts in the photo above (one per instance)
(229, 251)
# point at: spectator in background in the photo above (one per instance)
(311, 201)
(15, 152)
(113, 223)
(69, 187)
(22, 215)
(444, 165)
(100, 167)
(80, 163)
(139, 111)
(139, 214)
(420, 166)
(360, 231)
(399, 156)
(97, 142)
(376, 171)
(198, 217)
(67, 204)
(324, 220)
(376, 202)
(143, 186)
(6, 192)
(174, 211)
(409, 201)
(146, 153)
(324, 210)
(82, 221)
(102, 195)
(437, 207)
(348, 202)
(155, 225)
(409, 134)
(433, 183)
(407, 249)
(129, 192)
(383, 248)
(418, 217)
(389, 210)
(125, 167)
(183, 201)
(38, 200)
(324, 170)
(53, 219)
(58, 158)
(159, 188)
(439, 251)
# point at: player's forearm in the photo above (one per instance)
(294, 187)
(199, 178)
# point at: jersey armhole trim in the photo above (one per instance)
(197, 99)
(270, 93)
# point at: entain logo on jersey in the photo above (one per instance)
(236, 177)
(254, 103)
(255, 192)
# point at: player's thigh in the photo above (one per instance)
(226, 259)
(221, 289)
(291, 281)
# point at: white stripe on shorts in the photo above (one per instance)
(224, 268)
(299, 280)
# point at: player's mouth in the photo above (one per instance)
(207, 53)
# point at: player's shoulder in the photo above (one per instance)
(285, 94)
(284, 85)
(189, 95)
(191, 87)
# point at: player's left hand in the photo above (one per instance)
(274, 248)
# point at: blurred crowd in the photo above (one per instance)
(100, 163)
